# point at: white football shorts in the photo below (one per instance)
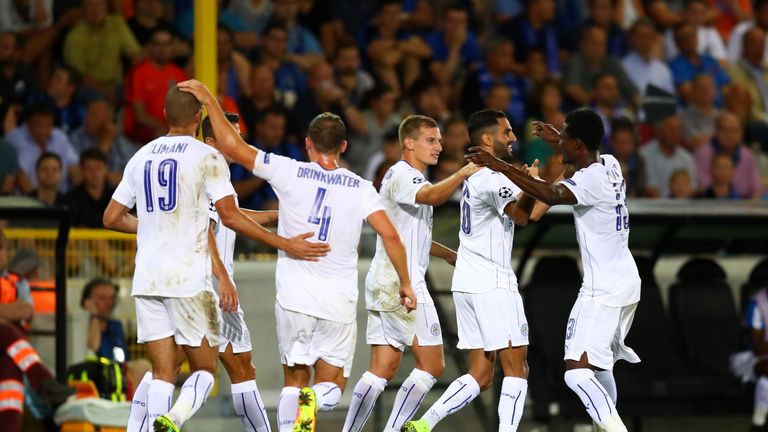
(398, 328)
(491, 320)
(188, 319)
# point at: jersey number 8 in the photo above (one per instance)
(167, 178)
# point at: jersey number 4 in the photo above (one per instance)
(321, 214)
(167, 178)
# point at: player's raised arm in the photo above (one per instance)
(297, 246)
(228, 140)
(440, 192)
(396, 252)
(550, 194)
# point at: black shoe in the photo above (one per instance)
(55, 393)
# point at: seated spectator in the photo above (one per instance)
(33, 22)
(642, 67)
(592, 61)
(680, 185)
(19, 361)
(105, 334)
(624, 142)
(88, 201)
(546, 104)
(149, 17)
(729, 135)
(607, 103)
(690, 63)
(737, 35)
(722, 179)
(454, 46)
(303, 46)
(427, 100)
(728, 14)
(63, 99)
(708, 40)
(392, 51)
(380, 162)
(366, 131)
(323, 95)
(350, 75)
(37, 136)
(146, 86)
(234, 68)
(290, 81)
(96, 45)
(602, 14)
(263, 95)
(17, 81)
(751, 73)
(664, 155)
(270, 136)
(101, 132)
(698, 118)
(9, 167)
(534, 30)
(496, 68)
(48, 172)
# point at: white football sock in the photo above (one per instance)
(459, 394)
(328, 395)
(137, 419)
(595, 399)
(761, 402)
(158, 399)
(408, 398)
(287, 408)
(193, 394)
(512, 403)
(364, 396)
(249, 407)
(605, 378)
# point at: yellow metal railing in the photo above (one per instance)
(90, 252)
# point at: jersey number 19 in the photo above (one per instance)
(167, 178)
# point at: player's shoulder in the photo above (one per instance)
(486, 178)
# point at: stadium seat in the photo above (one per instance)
(548, 299)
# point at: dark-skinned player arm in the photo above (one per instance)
(228, 141)
(441, 251)
(395, 249)
(550, 194)
(440, 192)
(526, 208)
(227, 290)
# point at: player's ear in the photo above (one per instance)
(408, 143)
(307, 143)
(343, 146)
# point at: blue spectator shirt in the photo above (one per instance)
(683, 71)
(470, 51)
(112, 337)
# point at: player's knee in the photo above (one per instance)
(484, 379)
(385, 369)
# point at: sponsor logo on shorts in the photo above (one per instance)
(524, 330)
(435, 329)
(505, 192)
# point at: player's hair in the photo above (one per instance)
(92, 284)
(207, 127)
(327, 132)
(92, 154)
(481, 122)
(45, 156)
(411, 127)
(587, 126)
(180, 107)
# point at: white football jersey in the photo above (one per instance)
(414, 223)
(332, 204)
(484, 259)
(171, 181)
(602, 230)
(225, 241)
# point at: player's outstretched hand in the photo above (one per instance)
(298, 247)
(532, 170)
(408, 298)
(545, 131)
(199, 90)
(227, 295)
(482, 158)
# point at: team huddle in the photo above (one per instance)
(187, 218)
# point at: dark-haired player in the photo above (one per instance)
(605, 307)
(316, 301)
(489, 310)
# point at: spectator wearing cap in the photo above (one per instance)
(48, 172)
(88, 201)
(105, 334)
(37, 136)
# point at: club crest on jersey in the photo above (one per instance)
(524, 330)
(505, 192)
(418, 180)
(435, 329)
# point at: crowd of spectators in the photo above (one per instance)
(682, 85)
